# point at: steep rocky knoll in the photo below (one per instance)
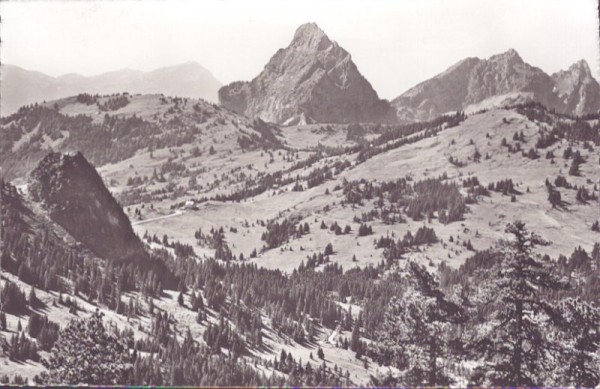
(503, 78)
(76, 198)
(311, 80)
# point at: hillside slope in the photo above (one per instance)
(327, 215)
(110, 128)
(309, 184)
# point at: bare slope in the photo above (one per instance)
(567, 226)
(108, 129)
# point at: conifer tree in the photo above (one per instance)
(415, 333)
(33, 301)
(86, 353)
(355, 339)
(577, 336)
(516, 346)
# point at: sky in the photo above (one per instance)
(395, 44)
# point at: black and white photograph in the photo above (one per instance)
(230, 193)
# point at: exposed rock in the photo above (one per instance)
(577, 90)
(75, 196)
(502, 79)
(311, 80)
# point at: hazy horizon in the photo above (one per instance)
(395, 45)
(112, 70)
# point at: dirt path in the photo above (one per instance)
(176, 213)
(334, 335)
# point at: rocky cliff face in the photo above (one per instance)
(440, 94)
(577, 90)
(503, 78)
(311, 80)
(72, 191)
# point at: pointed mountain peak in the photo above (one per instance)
(307, 29)
(311, 35)
(580, 70)
(582, 66)
(311, 80)
(510, 56)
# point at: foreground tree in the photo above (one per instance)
(515, 344)
(86, 353)
(578, 338)
(416, 334)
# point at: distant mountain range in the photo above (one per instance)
(314, 80)
(21, 87)
(502, 79)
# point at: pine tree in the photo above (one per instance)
(12, 299)
(86, 353)
(33, 301)
(199, 303)
(193, 300)
(282, 358)
(516, 346)
(554, 197)
(577, 335)
(415, 333)
(35, 324)
(355, 339)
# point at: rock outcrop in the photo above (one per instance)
(577, 91)
(502, 79)
(73, 193)
(313, 80)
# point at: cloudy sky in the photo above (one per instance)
(395, 44)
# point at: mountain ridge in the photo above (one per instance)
(21, 86)
(472, 81)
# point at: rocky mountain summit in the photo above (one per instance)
(311, 80)
(577, 90)
(502, 79)
(75, 196)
